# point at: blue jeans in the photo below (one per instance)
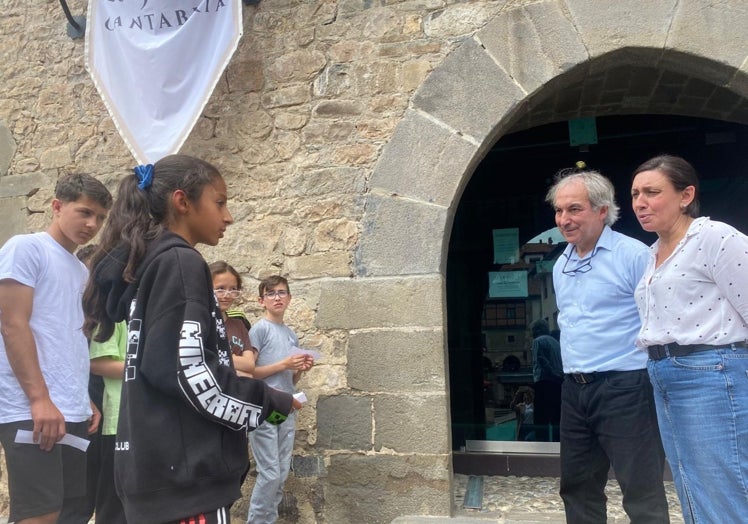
(702, 408)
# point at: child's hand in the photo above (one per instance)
(295, 362)
(308, 363)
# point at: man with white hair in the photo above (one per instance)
(607, 407)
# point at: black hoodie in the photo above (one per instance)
(182, 434)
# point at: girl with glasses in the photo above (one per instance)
(227, 286)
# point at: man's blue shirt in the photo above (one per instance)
(597, 315)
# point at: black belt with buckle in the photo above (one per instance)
(587, 378)
(660, 351)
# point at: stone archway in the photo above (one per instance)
(496, 81)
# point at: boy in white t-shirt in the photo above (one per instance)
(44, 354)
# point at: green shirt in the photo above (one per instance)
(114, 348)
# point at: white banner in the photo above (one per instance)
(155, 64)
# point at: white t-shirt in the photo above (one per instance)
(58, 279)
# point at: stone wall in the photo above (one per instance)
(345, 131)
(296, 125)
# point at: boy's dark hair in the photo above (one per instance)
(220, 266)
(138, 217)
(271, 282)
(72, 186)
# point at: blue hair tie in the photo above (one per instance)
(145, 175)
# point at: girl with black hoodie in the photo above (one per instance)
(181, 448)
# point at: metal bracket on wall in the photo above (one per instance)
(76, 24)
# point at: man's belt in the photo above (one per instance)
(660, 351)
(587, 378)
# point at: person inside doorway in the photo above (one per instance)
(547, 375)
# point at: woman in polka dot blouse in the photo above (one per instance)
(693, 303)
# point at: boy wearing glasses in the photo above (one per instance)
(279, 363)
(607, 406)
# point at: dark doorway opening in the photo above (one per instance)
(508, 190)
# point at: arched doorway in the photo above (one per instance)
(507, 192)
(529, 66)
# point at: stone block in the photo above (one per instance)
(411, 423)
(474, 106)
(355, 154)
(344, 422)
(316, 265)
(378, 489)
(335, 234)
(55, 157)
(245, 75)
(7, 149)
(325, 181)
(290, 121)
(22, 184)
(435, 158)
(297, 66)
(401, 237)
(308, 466)
(13, 211)
(392, 361)
(349, 50)
(391, 302)
(287, 96)
(702, 28)
(317, 133)
(338, 108)
(621, 24)
(459, 19)
(413, 73)
(335, 80)
(533, 43)
(350, 8)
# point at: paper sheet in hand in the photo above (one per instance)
(24, 436)
(300, 396)
(316, 355)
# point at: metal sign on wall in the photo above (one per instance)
(155, 64)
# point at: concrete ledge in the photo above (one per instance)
(506, 464)
(437, 520)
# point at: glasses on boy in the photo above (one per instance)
(275, 294)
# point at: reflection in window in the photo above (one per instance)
(504, 314)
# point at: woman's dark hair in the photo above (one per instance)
(138, 217)
(680, 173)
(220, 267)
